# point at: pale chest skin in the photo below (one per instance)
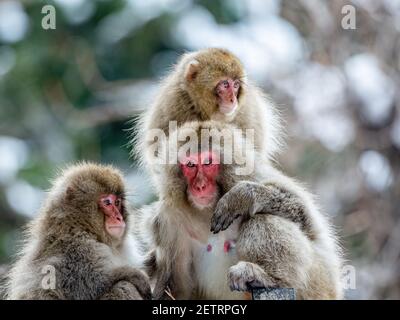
(213, 254)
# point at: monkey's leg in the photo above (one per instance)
(122, 290)
(134, 277)
(163, 285)
(273, 252)
(175, 282)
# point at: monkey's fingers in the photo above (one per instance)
(222, 225)
(245, 276)
(213, 223)
(144, 289)
(229, 220)
(223, 222)
(219, 216)
(216, 223)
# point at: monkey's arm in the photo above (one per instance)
(122, 290)
(249, 198)
(128, 283)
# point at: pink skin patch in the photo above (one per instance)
(201, 171)
(227, 91)
(227, 246)
(111, 206)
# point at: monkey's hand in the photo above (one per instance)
(249, 198)
(245, 276)
(237, 202)
(136, 278)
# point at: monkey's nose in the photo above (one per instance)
(201, 186)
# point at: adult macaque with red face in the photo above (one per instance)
(201, 171)
(80, 236)
(216, 234)
(185, 256)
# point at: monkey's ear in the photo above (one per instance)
(192, 70)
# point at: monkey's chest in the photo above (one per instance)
(211, 264)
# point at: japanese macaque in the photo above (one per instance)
(209, 84)
(77, 246)
(215, 234)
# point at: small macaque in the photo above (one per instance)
(209, 84)
(77, 246)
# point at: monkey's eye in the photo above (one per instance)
(107, 202)
(190, 164)
(236, 84)
(117, 202)
(225, 83)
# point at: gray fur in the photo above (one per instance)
(69, 235)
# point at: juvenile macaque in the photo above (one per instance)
(266, 231)
(76, 248)
(209, 84)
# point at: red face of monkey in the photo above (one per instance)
(111, 206)
(227, 91)
(201, 172)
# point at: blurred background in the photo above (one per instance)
(71, 93)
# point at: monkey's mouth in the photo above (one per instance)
(202, 202)
(116, 230)
(228, 109)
